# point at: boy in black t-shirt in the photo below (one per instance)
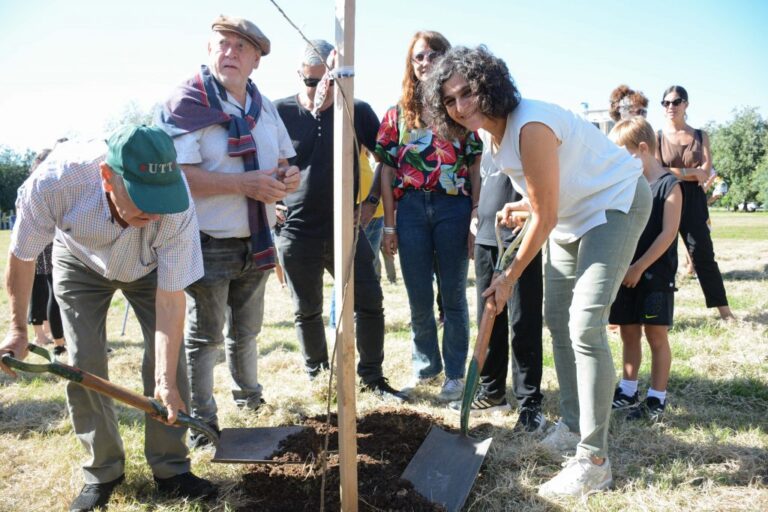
(646, 298)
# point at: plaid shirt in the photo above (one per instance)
(65, 197)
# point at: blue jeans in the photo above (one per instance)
(433, 225)
(303, 261)
(373, 232)
(581, 282)
(232, 288)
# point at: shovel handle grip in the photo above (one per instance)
(105, 387)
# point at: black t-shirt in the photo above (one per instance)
(660, 276)
(495, 192)
(310, 207)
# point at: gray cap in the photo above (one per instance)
(316, 52)
(244, 28)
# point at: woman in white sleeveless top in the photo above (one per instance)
(589, 203)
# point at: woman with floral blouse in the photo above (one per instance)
(433, 184)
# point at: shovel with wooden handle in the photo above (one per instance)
(487, 320)
(235, 445)
(446, 465)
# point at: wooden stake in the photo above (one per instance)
(343, 182)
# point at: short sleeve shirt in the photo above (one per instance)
(64, 197)
(226, 216)
(424, 161)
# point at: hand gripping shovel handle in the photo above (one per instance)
(486, 326)
(104, 387)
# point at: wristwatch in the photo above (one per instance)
(372, 199)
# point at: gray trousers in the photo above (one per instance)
(84, 297)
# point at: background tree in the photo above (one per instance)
(740, 155)
(14, 169)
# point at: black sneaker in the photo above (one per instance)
(186, 485)
(381, 388)
(252, 403)
(59, 350)
(314, 371)
(651, 409)
(531, 419)
(622, 401)
(483, 403)
(199, 440)
(95, 495)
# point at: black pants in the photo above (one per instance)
(303, 261)
(698, 242)
(43, 305)
(523, 313)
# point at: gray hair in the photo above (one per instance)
(316, 52)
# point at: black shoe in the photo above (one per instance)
(381, 388)
(59, 350)
(531, 419)
(651, 409)
(186, 485)
(483, 402)
(622, 401)
(199, 440)
(252, 403)
(314, 371)
(95, 495)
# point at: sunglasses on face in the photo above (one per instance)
(676, 102)
(312, 82)
(425, 56)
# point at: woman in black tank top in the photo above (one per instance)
(685, 151)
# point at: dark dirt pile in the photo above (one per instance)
(387, 440)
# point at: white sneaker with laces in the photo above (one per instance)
(579, 477)
(452, 390)
(560, 439)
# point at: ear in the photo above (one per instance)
(106, 177)
(643, 147)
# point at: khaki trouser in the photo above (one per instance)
(84, 297)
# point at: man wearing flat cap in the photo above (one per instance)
(120, 218)
(234, 150)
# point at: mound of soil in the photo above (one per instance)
(387, 440)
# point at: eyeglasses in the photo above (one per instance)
(676, 102)
(426, 56)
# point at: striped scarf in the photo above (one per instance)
(195, 105)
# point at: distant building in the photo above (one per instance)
(598, 117)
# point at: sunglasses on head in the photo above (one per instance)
(426, 56)
(676, 102)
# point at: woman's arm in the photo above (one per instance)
(541, 167)
(388, 199)
(673, 207)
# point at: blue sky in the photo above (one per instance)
(70, 66)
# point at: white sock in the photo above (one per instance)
(628, 387)
(661, 395)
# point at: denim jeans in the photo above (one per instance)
(304, 260)
(373, 232)
(582, 279)
(434, 225)
(231, 289)
(84, 297)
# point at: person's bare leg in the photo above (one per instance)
(661, 355)
(632, 350)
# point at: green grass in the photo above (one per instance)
(711, 452)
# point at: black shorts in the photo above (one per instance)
(642, 306)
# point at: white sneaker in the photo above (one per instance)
(452, 390)
(579, 477)
(560, 439)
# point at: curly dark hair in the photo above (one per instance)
(488, 78)
(635, 98)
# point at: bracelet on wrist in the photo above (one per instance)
(388, 230)
(684, 172)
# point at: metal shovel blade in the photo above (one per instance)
(251, 445)
(445, 467)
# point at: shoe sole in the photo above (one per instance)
(624, 407)
(602, 487)
(487, 410)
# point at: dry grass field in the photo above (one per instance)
(709, 454)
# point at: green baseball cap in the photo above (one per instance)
(146, 159)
